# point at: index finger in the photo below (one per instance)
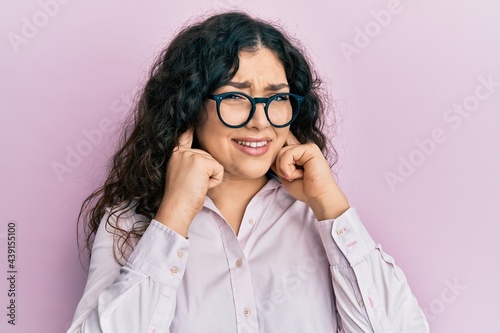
(186, 139)
(291, 139)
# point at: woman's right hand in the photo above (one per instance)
(190, 174)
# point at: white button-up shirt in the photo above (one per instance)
(285, 271)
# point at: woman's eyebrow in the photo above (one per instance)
(276, 87)
(246, 84)
(239, 85)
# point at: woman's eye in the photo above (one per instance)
(233, 97)
(282, 98)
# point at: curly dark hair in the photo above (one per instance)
(200, 59)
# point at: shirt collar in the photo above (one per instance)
(273, 183)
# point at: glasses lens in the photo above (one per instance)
(235, 109)
(282, 108)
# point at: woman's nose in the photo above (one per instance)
(259, 119)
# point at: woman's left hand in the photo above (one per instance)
(306, 175)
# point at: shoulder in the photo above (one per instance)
(123, 218)
(124, 210)
(122, 227)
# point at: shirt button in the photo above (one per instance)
(340, 231)
(180, 253)
(251, 221)
(174, 270)
(246, 312)
(238, 263)
(361, 303)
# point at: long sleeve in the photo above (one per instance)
(372, 294)
(255, 281)
(138, 296)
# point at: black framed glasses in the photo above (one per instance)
(236, 109)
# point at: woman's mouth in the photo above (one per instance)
(254, 147)
(252, 144)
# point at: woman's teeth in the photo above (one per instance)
(252, 144)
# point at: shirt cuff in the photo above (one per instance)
(346, 240)
(162, 254)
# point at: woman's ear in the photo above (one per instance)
(202, 117)
(196, 143)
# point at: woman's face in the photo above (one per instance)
(260, 74)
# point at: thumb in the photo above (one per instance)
(186, 139)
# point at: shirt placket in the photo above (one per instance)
(241, 282)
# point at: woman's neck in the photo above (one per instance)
(232, 196)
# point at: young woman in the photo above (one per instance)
(220, 212)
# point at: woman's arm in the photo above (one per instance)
(138, 296)
(371, 292)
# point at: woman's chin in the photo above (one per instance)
(257, 175)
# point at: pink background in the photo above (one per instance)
(76, 72)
